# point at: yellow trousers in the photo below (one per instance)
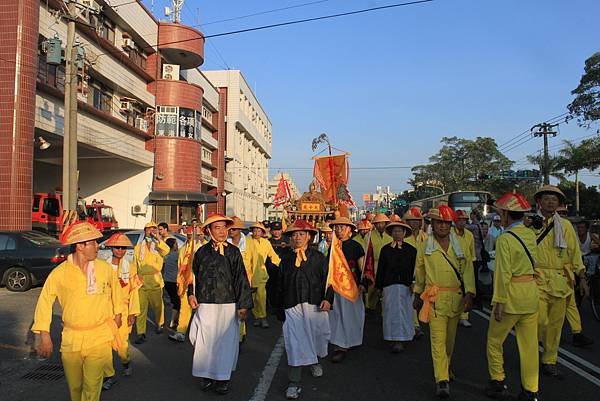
(185, 315)
(442, 333)
(260, 302)
(550, 321)
(526, 331)
(242, 330)
(123, 352)
(84, 371)
(153, 299)
(372, 299)
(573, 316)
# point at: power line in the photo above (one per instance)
(260, 13)
(524, 133)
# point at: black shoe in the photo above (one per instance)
(206, 384)
(108, 382)
(222, 387)
(338, 356)
(496, 389)
(141, 339)
(159, 330)
(579, 340)
(551, 370)
(442, 389)
(418, 333)
(527, 396)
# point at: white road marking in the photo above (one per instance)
(262, 388)
(570, 355)
(562, 361)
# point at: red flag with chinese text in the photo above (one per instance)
(283, 194)
(330, 172)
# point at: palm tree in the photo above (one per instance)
(554, 167)
(574, 158)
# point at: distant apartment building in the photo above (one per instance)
(248, 147)
(274, 213)
(151, 134)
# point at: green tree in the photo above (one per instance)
(462, 164)
(586, 105)
(555, 168)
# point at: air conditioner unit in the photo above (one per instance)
(128, 43)
(170, 71)
(126, 106)
(141, 123)
(138, 210)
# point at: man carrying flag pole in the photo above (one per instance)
(347, 317)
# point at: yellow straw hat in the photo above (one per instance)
(151, 224)
(260, 225)
(342, 221)
(550, 189)
(399, 223)
(215, 218)
(301, 225)
(238, 224)
(513, 202)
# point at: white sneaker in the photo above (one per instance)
(293, 391)
(316, 370)
(465, 323)
(179, 337)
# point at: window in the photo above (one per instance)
(51, 75)
(35, 207)
(187, 123)
(99, 96)
(166, 121)
(166, 213)
(51, 207)
(138, 57)
(106, 213)
(106, 29)
(7, 243)
(207, 114)
(39, 238)
(187, 213)
(198, 126)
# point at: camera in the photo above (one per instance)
(537, 221)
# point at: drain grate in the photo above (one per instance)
(51, 372)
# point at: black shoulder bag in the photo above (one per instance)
(546, 232)
(458, 275)
(524, 247)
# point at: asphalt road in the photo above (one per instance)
(162, 369)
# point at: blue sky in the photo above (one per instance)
(386, 86)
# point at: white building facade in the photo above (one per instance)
(248, 149)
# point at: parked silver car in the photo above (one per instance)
(136, 237)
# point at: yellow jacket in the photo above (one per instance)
(257, 252)
(434, 270)
(379, 241)
(149, 268)
(84, 315)
(242, 246)
(511, 262)
(362, 241)
(418, 240)
(129, 290)
(467, 243)
(556, 266)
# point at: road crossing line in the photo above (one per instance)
(262, 388)
(592, 379)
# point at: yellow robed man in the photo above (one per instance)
(467, 244)
(129, 283)
(559, 258)
(414, 218)
(444, 288)
(258, 249)
(89, 294)
(379, 238)
(515, 300)
(363, 227)
(148, 257)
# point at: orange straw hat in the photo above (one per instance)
(399, 223)
(80, 232)
(412, 214)
(326, 228)
(118, 239)
(342, 221)
(513, 202)
(442, 212)
(395, 217)
(380, 218)
(301, 225)
(215, 218)
(238, 224)
(260, 225)
(364, 225)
